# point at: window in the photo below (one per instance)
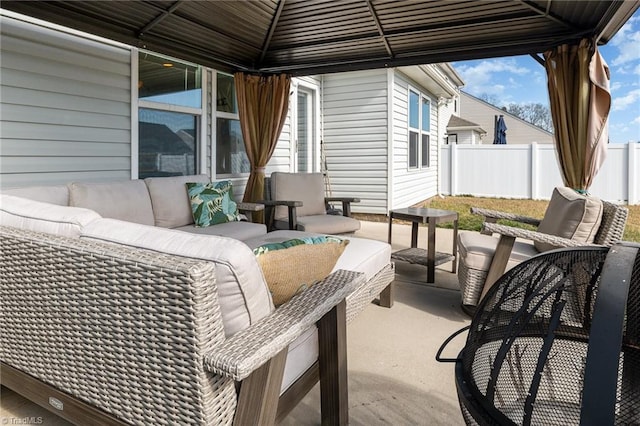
(170, 109)
(167, 143)
(231, 156)
(426, 128)
(419, 129)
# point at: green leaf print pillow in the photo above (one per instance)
(212, 203)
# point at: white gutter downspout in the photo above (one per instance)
(134, 138)
(438, 148)
(390, 141)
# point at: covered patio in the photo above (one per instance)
(393, 376)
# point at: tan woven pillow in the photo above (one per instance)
(295, 265)
(571, 215)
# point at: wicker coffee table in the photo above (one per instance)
(430, 257)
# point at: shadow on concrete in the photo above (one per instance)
(380, 400)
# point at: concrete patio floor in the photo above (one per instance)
(394, 378)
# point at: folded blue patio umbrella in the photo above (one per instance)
(500, 135)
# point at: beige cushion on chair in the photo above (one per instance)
(125, 200)
(236, 230)
(476, 250)
(171, 204)
(328, 224)
(305, 187)
(571, 215)
(55, 194)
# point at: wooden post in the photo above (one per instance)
(332, 336)
(259, 393)
(499, 262)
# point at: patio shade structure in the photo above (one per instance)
(500, 137)
(263, 103)
(578, 80)
(303, 37)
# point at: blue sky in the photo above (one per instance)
(520, 79)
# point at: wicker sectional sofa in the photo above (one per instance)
(115, 302)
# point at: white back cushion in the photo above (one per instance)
(37, 216)
(170, 200)
(243, 294)
(54, 194)
(125, 200)
(571, 215)
(305, 187)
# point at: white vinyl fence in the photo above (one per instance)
(531, 171)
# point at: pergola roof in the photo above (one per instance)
(319, 36)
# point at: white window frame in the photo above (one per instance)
(421, 96)
(314, 133)
(200, 113)
(214, 131)
(424, 97)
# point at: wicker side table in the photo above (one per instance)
(430, 257)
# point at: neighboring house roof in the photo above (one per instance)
(519, 131)
(458, 123)
(499, 111)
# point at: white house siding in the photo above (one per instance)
(445, 111)
(65, 110)
(483, 113)
(467, 137)
(356, 137)
(411, 186)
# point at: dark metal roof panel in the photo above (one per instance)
(404, 15)
(321, 20)
(250, 21)
(313, 36)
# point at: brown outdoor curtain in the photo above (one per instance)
(263, 104)
(578, 80)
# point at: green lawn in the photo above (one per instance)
(532, 208)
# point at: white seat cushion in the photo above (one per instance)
(243, 294)
(360, 255)
(238, 230)
(125, 200)
(37, 216)
(170, 201)
(476, 250)
(323, 224)
(301, 355)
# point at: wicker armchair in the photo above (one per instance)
(107, 334)
(500, 253)
(296, 201)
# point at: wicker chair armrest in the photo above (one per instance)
(250, 207)
(281, 203)
(250, 348)
(494, 214)
(342, 199)
(511, 231)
